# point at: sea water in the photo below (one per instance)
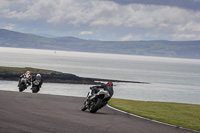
(170, 79)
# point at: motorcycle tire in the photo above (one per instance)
(84, 106)
(35, 89)
(22, 87)
(97, 106)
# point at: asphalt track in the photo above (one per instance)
(41, 113)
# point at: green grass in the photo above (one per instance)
(22, 70)
(182, 115)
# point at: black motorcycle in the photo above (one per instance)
(23, 84)
(36, 86)
(95, 101)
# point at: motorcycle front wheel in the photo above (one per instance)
(96, 106)
(84, 106)
(21, 87)
(35, 89)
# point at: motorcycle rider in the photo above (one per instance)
(107, 87)
(39, 78)
(28, 76)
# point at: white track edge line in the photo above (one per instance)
(151, 119)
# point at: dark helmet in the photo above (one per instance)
(110, 83)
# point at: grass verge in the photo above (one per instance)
(182, 115)
(22, 70)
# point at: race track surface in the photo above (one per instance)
(41, 113)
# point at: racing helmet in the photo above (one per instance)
(110, 83)
(38, 75)
(28, 72)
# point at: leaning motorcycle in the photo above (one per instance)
(23, 84)
(95, 101)
(35, 86)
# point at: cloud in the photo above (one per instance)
(185, 4)
(127, 19)
(189, 30)
(86, 32)
(4, 3)
(99, 13)
(127, 37)
(9, 26)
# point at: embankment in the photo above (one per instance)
(13, 74)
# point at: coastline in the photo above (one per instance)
(13, 74)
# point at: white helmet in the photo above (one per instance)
(28, 72)
(38, 75)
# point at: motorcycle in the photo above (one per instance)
(23, 84)
(95, 101)
(35, 86)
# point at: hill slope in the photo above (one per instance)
(179, 49)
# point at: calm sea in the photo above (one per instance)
(171, 79)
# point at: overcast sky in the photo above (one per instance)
(108, 20)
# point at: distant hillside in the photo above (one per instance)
(178, 49)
